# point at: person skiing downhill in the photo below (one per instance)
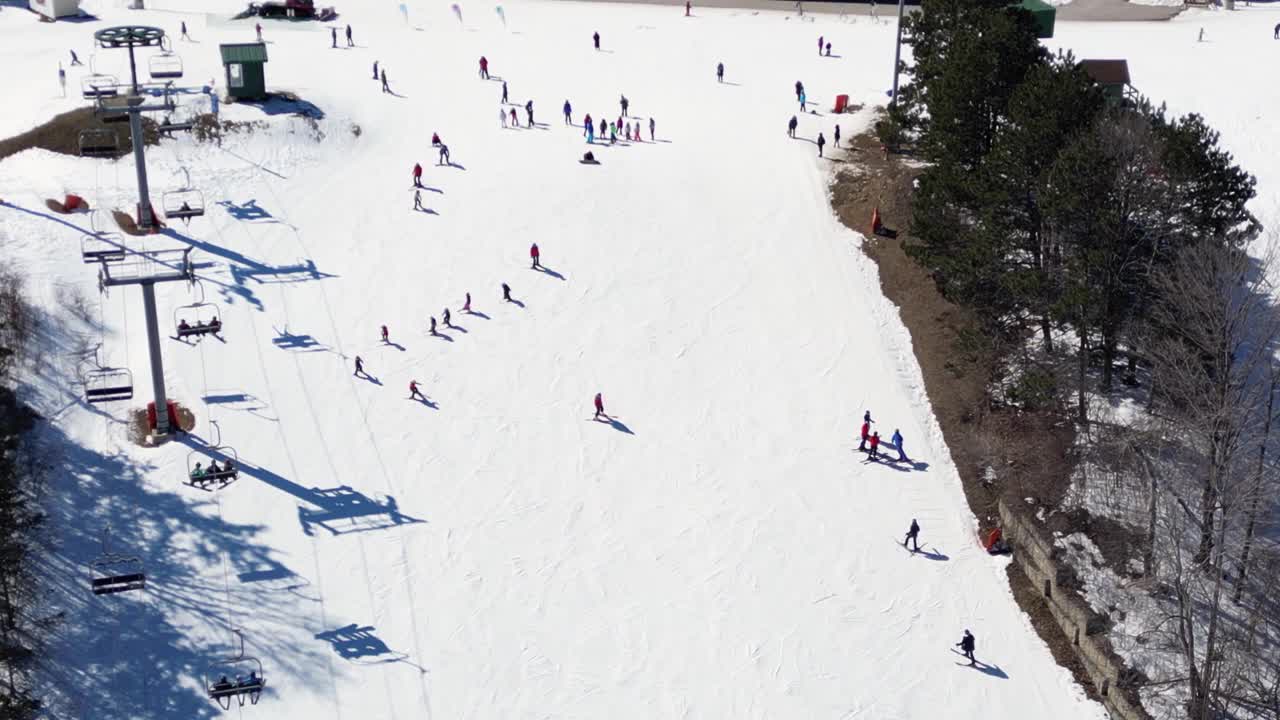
(799, 89)
(444, 155)
(333, 37)
(375, 69)
(414, 392)
(837, 135)
(822, 142)
(417, 174)
(874, 453)
(433, 326)
(595, 38)
(514, 121)
(791, 126)
(75, 60)
(966, 644)
(385, 87)
(528, 110)
(897, 443)
(504, 92)
(506, 292)
(599, 406)
(447, 319)
(719, 72)
(417, 200)
(385, 337)
(484, 67)
(535, 255)
(625, 103)
(866, 435)
(820, 39)
(913, 533)
(568, 113)
(651, 125)
(360, 367)
(350, 42)
(183, 26)
(604, 128)
(466, 306)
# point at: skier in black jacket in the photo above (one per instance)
(966, 644)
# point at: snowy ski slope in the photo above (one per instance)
(720, 551)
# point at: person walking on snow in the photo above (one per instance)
(595, 38)
(625, 103)
(375, 69)
(966, 645)
(791, 126)
(528, 110)
(360, 367)
(599, 407)
(506, 292)
(913, 533)
(417, 174)
(568, 113)
(447, 319)
(385, 87)
(385, 337)
(350, 42)
(466, 306)
(417, 201)
(651, 125)
(484, 67)
(874, 453)
(502, 115)
(75, 60)
(504, 92)
(333, 36)
(866, 435)
(837, 135)
(822, 142)
(444, 155)
(897, 443)
(514, 121)
(185, 36)
(719, 72)
(414, 392)
(433, 326)
(535, 255)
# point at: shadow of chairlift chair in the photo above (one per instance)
(205, 318)
(167, 65)
(237, 677)
(185, 203)
(111, 573)
(99, 142)
(102, 247)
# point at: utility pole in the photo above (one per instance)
(897, 59)
(147, 269)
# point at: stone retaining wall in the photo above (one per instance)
(1086, 629)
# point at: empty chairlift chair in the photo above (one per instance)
(239, 677)
(99, 142)
(165, 66)
(111, 573)
(97, 85)
(108, 385)
(102, 247)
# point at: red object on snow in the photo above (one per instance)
(842, 103)
(172, 413)
(992, 538)
(875, 221)
(72, 202)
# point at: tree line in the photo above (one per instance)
(1115, 238)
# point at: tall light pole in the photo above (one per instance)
(897, 58)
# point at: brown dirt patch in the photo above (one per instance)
(62, 134)
(139, 429)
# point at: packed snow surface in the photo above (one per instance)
(719, 550)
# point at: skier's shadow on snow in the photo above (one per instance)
(517, 303)
(992, 670)
(476, 313)
(730, 82)
(453, 165)
(616, 424)
(459, 328)
(426, 211)
(442, 336)
(548, 271)
(423, 400)
(933, 554)
(395, 345)
(438, 191)
(369, 378)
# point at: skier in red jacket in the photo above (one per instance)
(417, 174)
(414, 392)
(866, 434)
(385, 336)
(599, 406)
(535, 254)
(484, 67)
(875, 446)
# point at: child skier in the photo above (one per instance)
(874, 454)
(417, 200)
(502, 115)
(534, 254)
(385, 337)
(866, 435)
(506, 292)
(913, 533)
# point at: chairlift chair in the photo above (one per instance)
(197, 320)
(108, 385)
(97, 85)
(238, 677)
(102, 247)
(111, 573)
(201, 479)
(165, 66)
(99, 142)
(186, 202)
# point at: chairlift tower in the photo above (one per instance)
(134, 103)
(147, 269)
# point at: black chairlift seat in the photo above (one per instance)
(213, 327)
(165, 66)
(173, 127)
(183, 204)
(99, 86)
(102, 247)
(108, 385)
(99, 143)
(112, 584)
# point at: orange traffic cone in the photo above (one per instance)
(875, 221)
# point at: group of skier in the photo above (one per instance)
(871, 441)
